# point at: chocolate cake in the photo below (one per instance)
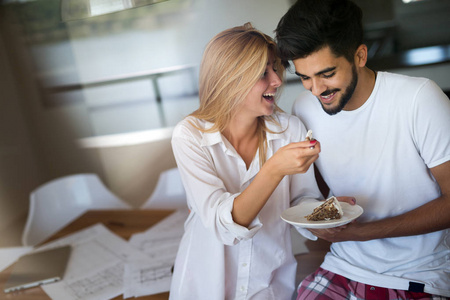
(329, 210)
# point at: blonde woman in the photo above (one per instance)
(242, 162)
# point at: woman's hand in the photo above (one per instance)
(293, 158)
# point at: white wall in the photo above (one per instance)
(169, 34)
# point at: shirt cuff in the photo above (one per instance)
(306, 233)
(239, 232)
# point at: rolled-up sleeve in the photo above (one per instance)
(238, 231)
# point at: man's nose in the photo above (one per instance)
(317, 87)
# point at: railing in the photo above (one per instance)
(152, 75)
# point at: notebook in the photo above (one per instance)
(38, 268)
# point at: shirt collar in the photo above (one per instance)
(210, 138)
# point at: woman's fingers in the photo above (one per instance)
(305, 144)
(295, 158)
(302, 156)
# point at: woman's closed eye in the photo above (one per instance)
(266, 72)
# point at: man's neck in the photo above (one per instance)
(364, 88)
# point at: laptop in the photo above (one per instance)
(38, 268)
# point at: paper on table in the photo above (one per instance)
(146, 278)
(9, 255)
(160, 243)
(96, 266)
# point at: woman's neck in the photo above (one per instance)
(243, 136)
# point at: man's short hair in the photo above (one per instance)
(310, 25)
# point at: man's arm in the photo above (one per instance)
(432, 216)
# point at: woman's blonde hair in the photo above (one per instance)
(233, 62)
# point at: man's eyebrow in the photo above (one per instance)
(318, 73)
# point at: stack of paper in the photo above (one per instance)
(103, 265)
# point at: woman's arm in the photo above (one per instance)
(291, 159)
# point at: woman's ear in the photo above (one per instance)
(361, 56)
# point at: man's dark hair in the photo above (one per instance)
(310, 25)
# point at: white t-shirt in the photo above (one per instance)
(217, 258)
(381, 153)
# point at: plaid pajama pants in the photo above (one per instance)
(325, 285)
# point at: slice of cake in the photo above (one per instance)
(329, 210)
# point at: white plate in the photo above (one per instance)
(296, 215)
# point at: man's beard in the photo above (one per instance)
(345, 97)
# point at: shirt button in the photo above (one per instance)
(244, 265)
(242, 288)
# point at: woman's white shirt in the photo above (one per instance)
(217, 258)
